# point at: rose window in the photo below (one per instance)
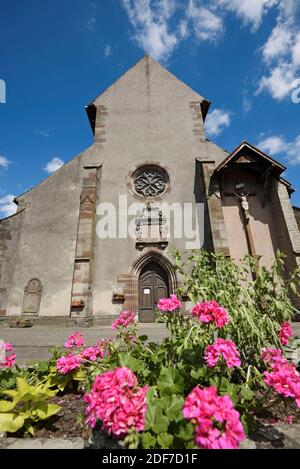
(150, 181)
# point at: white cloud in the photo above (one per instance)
(279, 83)
(90, 24)
(43, 133)
(276, 144)
(107, 50)
(296, 51)
(206, 24)
(150, 22)
(251, 11)
(246, 103)
(4, 162)
(7, 205)
(217, 121)
(54, 165)
(158, 33)
(278, 43)
(281, 52)
(273, 145)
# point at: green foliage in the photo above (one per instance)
(25, 406)
(256, 307)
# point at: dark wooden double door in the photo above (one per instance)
(153, 285)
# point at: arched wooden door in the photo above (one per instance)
(153, 285)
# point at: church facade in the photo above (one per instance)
(95, 237)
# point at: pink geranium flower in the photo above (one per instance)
(9, 347)
(285, 333)
(270, 355)
(211, 311)
(222, 348)
(217, 423)
(118, 402)
(9, 361)
(68, 363)
(91, 353)
(282, 375)
(169, 304)
(125, 319)
(75, 340)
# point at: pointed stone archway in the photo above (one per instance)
(154, 269)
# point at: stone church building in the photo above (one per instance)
(150, 146)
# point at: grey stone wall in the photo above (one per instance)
(10, 230)
(297, 216)
(287, 229)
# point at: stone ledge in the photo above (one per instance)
(42, 443)
(281, 436)
(267, 437)
(37, 321)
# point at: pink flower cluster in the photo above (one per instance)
(218, 424)
(75, 340)
(282, 375)
(9, 347)
(118, 402)
(285, 333)
(68, 363)
(222, 348)
(125, 319)
(211, 311)
(169, 304)
(91, 353)
(10, 360)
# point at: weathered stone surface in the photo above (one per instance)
(100, 440)
(42, 443)
(248, 444)
(277, 437)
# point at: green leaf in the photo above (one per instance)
(249, 423)
(186, 431)
(165, 440)
(148, 440)
(45, 410)
(143, 338)
(170, 381)
(155, 420)
(199, 373)
(9, 392)
(79, 375)
(246, 393)
(10, 422)
(42, 366)
(24, 390)
(7, 406)
(173, 408)
(30, 429)
(130, 362)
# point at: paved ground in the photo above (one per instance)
(33, 343)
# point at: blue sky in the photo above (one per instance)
(55, 57)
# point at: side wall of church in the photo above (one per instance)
(46, 246)
(10, 230)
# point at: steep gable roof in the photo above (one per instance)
(248, 153)
(141, 70)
